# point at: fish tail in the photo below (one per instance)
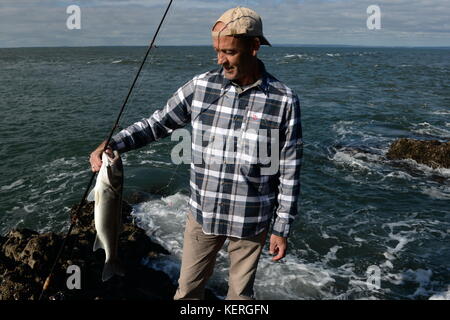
(98, 244)
(112, 268)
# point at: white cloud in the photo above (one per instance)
(132, 22)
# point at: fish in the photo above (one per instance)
(107, 194)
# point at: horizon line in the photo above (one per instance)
(292, 45)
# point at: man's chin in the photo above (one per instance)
(230, 76)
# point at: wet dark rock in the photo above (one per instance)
(432, 153)
(26, 258)
(36, 250)
(18, 284)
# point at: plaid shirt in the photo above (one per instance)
(233, 190)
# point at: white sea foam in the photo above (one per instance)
(63, 163)
(147, 151)
(164, 219)
(436, 192)
(444, 295)
(153, 162)
(331, 255)
(441, 112)
(57, 177)
(287, 58)
(343, 127)
(60, 188)
(15, 208)
(426, 128)
(349, 129)
(427, 170)
(295, 56)
(349, 159)
(404, 233)
(169, 213)
(400, 236)
(358, 160)
(422, 278)
(13, 185)
(294, 278)
(399, 175)
(29, 208)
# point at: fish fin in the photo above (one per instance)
(98, 244)
(112, 268)
(91, 195)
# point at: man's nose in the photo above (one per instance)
(221, 59)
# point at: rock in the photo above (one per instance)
(432, 153)
(26, 258)
(18, 285)
(35, 250)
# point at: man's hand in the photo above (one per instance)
(278, 246)
(95, 159)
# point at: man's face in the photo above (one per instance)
(235, 55)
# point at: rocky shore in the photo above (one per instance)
(432, 153)
(26, 258)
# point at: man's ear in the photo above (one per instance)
(256, 44)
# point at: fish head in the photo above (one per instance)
(112, 169)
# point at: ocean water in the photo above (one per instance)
(362, 218)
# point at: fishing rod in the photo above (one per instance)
(115, 126)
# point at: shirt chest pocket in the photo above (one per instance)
(259, 143)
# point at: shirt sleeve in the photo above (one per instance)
(291, 154)
(175, 114)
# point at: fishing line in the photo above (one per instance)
(171, 179)
(136, 92)
(116, 123)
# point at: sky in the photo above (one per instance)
(42, 23)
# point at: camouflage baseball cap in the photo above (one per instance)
(241, 21)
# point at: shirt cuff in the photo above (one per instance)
(281, 227)
(117, 145)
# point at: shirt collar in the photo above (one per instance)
(264, 85)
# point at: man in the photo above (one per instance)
(247, 110)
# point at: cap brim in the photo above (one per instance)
(264, 41)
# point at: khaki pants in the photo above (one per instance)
(199, 256)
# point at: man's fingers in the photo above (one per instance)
(95, 158)
(272, 247)
(109, 152)
(96, 161)
(281, 254)
(278, 247)
(95, 168)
